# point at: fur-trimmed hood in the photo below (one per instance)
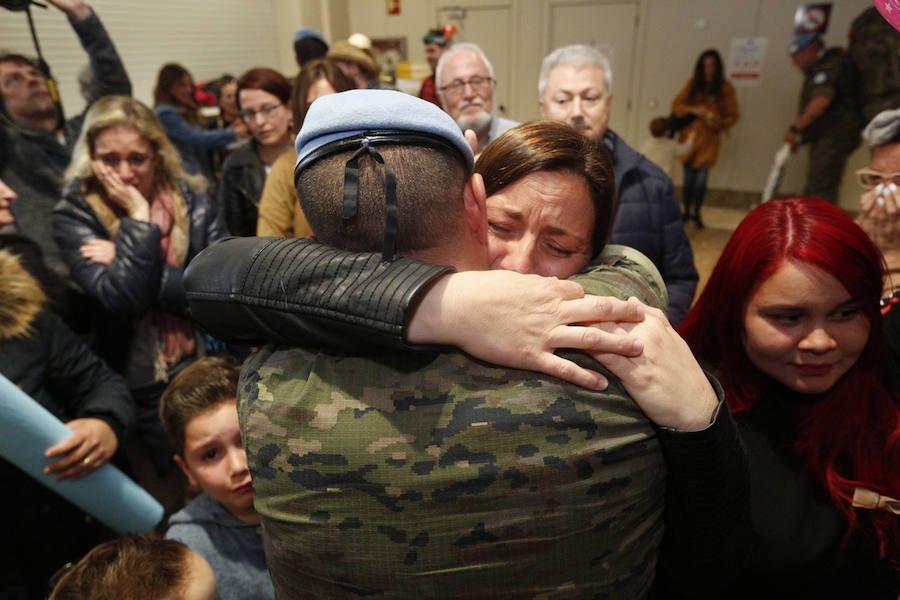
(21, 297)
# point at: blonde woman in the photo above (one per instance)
(129, 221)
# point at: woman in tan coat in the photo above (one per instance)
(712, 102)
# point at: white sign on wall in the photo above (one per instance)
(746, 60)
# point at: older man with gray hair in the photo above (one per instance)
(576, 87)
(466, 84)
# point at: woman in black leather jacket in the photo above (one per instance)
(129, 221)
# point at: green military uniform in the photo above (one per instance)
(438, 476)
(835, 134)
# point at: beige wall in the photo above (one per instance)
(668, 36)
(657, 44)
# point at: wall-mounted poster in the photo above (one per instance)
(746, 60)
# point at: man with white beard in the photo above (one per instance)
(466, 86)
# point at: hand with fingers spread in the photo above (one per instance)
(92, 443)
(127, 197)
(518, 321)
(665, 380)
(99, 251)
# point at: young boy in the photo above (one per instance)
(138, 568)
(199, 412)
(661, 149)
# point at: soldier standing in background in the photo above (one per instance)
(829, 119)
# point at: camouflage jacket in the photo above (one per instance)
(438, 476)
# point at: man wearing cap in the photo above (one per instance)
(309, 45)
(829, 118)
(466, 87)
(436, 43)
(411, 476)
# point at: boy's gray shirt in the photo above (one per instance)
(232, 548)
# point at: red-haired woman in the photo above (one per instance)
(790, 320)
(264, 97)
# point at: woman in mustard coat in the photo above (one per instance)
(713, 103)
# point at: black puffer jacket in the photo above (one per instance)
(243, 177)
(138, 278)
(648, 218)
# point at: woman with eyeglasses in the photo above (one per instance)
(176, 107)
(263, 98)
(280, 214)
(129, 221)
(879, 205)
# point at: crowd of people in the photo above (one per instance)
(473, 364)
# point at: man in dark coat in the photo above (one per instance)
(576, 87)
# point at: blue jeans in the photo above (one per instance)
(694, 190)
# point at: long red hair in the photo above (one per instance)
(850, 437)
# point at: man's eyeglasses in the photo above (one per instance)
(870, 178)
(134, 160)
(477, 83)
(264, 111)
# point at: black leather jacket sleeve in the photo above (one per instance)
(709, 530)
(254, 290)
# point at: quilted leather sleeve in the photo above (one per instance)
(254, 290)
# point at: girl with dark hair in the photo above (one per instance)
(176, 108)
(263, 99)
(280, 214)
(712, 102)
(790, 320)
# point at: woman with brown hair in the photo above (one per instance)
(176, 108)
(263, 97)
(280, 214)
(549, 195)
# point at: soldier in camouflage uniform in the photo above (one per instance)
(829, 119)
(439, 476)
(435, 475)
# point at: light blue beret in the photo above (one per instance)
(354, 113)
(802, 41)
(308, 32)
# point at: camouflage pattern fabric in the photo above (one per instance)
(438, 476)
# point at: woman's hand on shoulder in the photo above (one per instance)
(518, 321)
(665, 380)
(126, 197)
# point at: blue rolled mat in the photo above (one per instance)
(27, 429)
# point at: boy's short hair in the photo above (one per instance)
(659, 126)
(134, 567)
(199, 387)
